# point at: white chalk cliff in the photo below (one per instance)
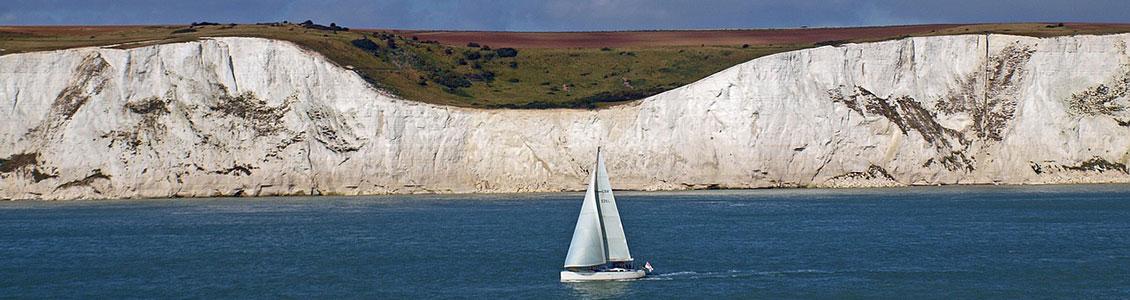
(246, 116)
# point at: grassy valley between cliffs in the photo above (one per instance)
(520, 70)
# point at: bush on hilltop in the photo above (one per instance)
(506, 52)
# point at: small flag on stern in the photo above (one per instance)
(647, 266)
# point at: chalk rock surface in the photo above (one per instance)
(253, 117)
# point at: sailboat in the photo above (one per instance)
(599, 249)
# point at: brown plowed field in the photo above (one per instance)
(752, 37)
(614, 39)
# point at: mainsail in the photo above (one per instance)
(599, 235)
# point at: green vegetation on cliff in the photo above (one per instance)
(477, 75)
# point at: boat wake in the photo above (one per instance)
(690, 275)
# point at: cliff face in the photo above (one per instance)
(244, 116)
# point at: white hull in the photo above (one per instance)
(570, 276)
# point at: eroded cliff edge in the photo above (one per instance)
(246, 116)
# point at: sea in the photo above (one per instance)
(1014, 242)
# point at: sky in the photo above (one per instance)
(562, 15)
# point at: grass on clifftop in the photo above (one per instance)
(488, 76)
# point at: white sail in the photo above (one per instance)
(616, 242)
(587, 247)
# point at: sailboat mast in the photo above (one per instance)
(599, 211)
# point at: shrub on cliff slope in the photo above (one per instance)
(506, 52)
(366, 44)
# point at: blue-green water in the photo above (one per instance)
(948, 242)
